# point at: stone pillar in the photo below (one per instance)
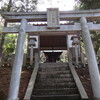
(69, 46)
(17, 65)
(32, 45)
(92, 63)
(83, 59)
(31, 55)
(37, 57)
(67, 42)
(76, 54)
(76, 46)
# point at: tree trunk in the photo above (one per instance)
(1, 44)
(9, 5)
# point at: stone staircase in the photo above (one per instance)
(55, 82)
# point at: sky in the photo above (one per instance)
(63, 5)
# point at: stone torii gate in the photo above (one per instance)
(53, 17)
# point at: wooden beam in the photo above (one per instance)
(63, 28)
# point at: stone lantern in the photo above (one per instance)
(75, 43)
(32, 44)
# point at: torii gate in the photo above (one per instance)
(53, 17)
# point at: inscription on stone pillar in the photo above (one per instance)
(53, 18)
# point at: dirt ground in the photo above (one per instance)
(5, 74)
(84, 76)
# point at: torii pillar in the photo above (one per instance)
(17, 65)
(92, 63)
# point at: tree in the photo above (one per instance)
(88, 4)
(18, 5)
(9, 45)
(91, 4)
(96, 40)
(15, 5)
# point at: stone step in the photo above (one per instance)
(54, 86)
(42, 76)
(56, 97)
(54, 69)
(49, 81)
(55, 82)
(63, 91)
(54, 72)
(53, 64)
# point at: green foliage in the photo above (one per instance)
(9, 45)
(9, 39)
(91, 4)
(96, 40)
(0, 33)
(19, 5)
(88, 4)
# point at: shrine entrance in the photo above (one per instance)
(47, 32)
(52, 56)
(51, 43)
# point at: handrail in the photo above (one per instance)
(31, 83)
(79, 85)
